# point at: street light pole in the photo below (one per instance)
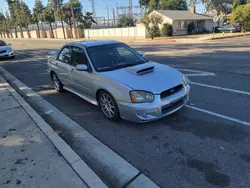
(73, 17)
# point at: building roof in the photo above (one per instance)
(183, 15)
(91, 43)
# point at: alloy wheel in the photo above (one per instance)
(107, 105)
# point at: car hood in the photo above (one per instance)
(4, 47)
(156, 78)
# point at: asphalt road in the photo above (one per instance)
(205, 144)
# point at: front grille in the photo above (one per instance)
(172, 106)
(171, 91)
(3, 51)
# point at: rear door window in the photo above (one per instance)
(65, 55)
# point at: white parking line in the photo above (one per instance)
(197, 73)
(220, 115)
(221, 88)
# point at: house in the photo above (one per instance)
(180, 20)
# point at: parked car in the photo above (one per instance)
(229, 28)
(119, 80)
(6, 50)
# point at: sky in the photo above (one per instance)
(101, 5)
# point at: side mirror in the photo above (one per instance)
(81, 67)
(51, 53)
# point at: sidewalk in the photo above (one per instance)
(27, 157)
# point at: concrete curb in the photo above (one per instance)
(79, 166)
(113, 170)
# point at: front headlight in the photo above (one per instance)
(141, 96)
(184, 80)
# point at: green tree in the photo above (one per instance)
(11, 7)
(37, 12)
(151, 23)
(241, 15)
(2, 24)
(5, 24)
(126, 21)
(48, 17)
(22, 16)
(8, 23)
(153, 5)
(173, 5)
(237, 3)
(56, 7)
(164, 4)
(87, 21)
(167, 29)
(221, 6)
(144, 3)
(67, 14)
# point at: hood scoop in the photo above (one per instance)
(141, 69)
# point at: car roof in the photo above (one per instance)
(91, 43)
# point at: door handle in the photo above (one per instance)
(71, 70)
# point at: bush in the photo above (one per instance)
(190, 28)
(167, 29)
(154, 31)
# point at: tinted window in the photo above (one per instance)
(2, 43)
(65, 55)
(113, 56)
(78, 56)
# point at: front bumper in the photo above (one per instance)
(7, 54)
(152, 111)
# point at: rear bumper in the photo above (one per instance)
(152, 111)
(7, 54)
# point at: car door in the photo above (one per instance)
(82, 80)
(62, 64)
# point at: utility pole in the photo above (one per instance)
(108, 14)
(74, 20)
(130, 11)
(93, 8)
(117, 11)
(113, 16)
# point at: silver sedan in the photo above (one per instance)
(6, 50)
(119, 80)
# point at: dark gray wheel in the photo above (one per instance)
(108, 106)
(57, 83)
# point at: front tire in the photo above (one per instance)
(57, 83)
(108, 106)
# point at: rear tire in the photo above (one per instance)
(108, 106)
(57, 83)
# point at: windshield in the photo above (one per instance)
(2, 43)
(113, 56)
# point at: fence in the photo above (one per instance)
(138, 32)
(44, 33)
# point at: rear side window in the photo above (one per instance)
(65, 55)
